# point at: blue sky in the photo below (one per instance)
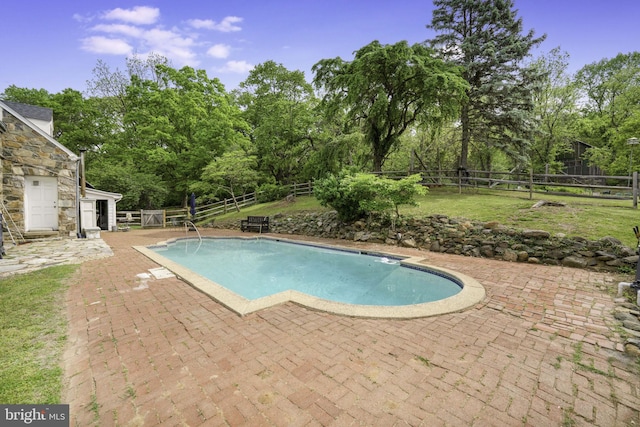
(56, 44)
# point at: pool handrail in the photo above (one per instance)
(186, 223)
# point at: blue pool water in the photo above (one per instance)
(254, 268)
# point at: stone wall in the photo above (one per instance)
(463, 237)
(27, 153)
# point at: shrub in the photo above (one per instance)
(356, 195)
(271, 192)
(334, 191)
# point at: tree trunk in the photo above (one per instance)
(233, 197)
(378, 154)
(466, 136)
(377, 163)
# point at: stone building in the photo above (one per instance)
(39, 177)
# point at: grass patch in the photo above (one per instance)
(34, 326)
(424, 360)
(567, 418)
(590, 218)
(577, 359)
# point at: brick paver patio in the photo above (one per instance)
(541, 350)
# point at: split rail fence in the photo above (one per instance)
(598, 186)
(175, 217)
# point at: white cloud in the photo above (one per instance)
(127, 30)
(142, 15)
(207, 24)
(136, 29)
(236, 67)
(172, 45)
(225, 26)
(81, 18)
(159, 38)
(99, 44)
(219, 51)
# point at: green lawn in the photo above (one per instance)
(33, 333)
(585, 217)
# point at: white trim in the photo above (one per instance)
(103, 194)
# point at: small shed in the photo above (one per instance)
(98, 209)
(574, 162)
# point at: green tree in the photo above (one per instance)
(427, 149)
(39, 97)
(278, 105)
(388, 194)
(555, 104)
(111, 86)
(388, 88)
(233, 173)
(79, 123)
(611, 87)
(610, 90)
(485, 38)
(176, 124)
(107, 91)
(139, 189)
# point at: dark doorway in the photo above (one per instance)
(102, 211)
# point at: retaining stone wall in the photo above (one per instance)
(440, 233)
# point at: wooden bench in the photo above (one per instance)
(255, 223)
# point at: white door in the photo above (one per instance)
(41, 203)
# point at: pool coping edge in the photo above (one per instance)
(472, 291)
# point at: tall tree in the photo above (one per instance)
(485, 38)
(556, 107)
(278, 105)
(388, 88)
(176, 124)
(111, 86)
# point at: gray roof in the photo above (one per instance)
(31, 111)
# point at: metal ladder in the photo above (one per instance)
(186, 229)
(5, 215)
(186, 223)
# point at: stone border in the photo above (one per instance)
(471, 294)
(459, 236)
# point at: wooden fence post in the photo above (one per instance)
(531, 183)
(635, 190)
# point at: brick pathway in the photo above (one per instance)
(541, 350)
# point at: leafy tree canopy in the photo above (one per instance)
(175, 125)
(388, 88)
(485, 38)
(610, 92)
(278, 105)
(234, 173)
(555, 106)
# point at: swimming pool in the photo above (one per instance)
(248, 274)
